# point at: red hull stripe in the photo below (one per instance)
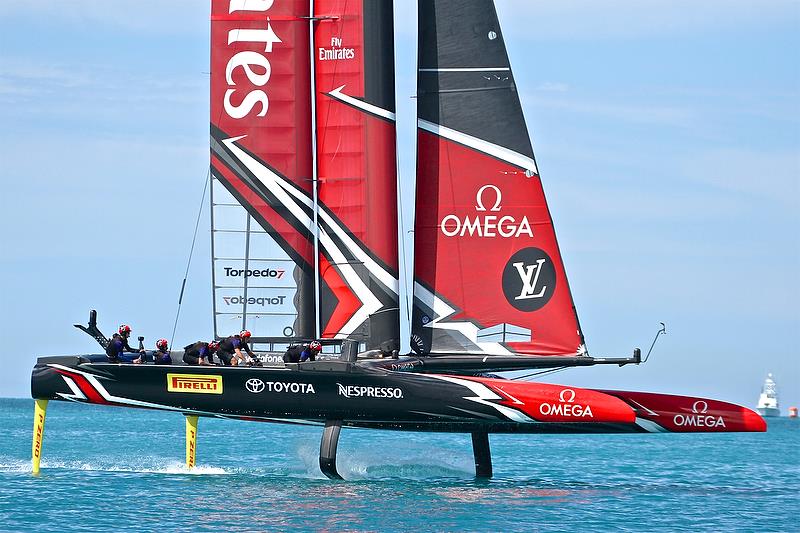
(86, 388)
(560, 404)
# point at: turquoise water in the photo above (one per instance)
(107, 468)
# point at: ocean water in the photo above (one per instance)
(107, 468)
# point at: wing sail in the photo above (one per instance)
(261, 168)
(356, 171)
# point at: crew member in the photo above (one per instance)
(200, 353)
(161, 354)
(310, 351)
(115, 351)
(293, 354)
(230, 350)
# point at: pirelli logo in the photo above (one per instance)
(197, 383)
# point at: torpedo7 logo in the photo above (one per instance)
(529, 279)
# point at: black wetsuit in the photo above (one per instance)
(227, 349)
(193, 353)
(116, 348)
(162, 358)
(293, 354)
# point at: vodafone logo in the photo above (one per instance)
(566, 406)
(699, 417)
(239, 101)
(488, 199)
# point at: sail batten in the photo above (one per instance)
(489, 279)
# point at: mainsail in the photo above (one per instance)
(356, 171)
(261, 167)
(488, 274)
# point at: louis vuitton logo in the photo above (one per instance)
(529, 274)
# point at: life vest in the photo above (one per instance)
(115, 346)
(292, 354)
(227, 345)
(193, 350)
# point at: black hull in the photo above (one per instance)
(309, 393)
(368, 394)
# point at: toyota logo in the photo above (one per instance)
(254, 385)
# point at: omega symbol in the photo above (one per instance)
(479, 198)
(566, 393)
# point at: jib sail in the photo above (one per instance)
(489, 278)
(261, 167)
(356, 171)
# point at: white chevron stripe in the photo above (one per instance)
(469, 330)
(484, 393)
(650, 426)
(355, 102)
(370, 303)
(381, 274)
(509, 156)
(77, 394)
(294, 200)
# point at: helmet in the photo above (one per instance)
(316, 346)
(213, 346)
(245, 334)
(161, 344)
(124, 329)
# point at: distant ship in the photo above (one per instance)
(768, 400)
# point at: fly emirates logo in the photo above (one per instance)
(488, 222)
(336, 51)
(254, 64)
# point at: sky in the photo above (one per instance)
(667, 134)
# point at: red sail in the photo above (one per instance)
(489, 279)
(356, 169)
(261, 153)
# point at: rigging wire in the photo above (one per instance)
(543, 372)
(662, 331)
(191, 253)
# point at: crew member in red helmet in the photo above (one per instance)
(161, 354)
(310, 352)
(115, 351)
(230, 350)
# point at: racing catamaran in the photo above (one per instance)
(304, 245)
